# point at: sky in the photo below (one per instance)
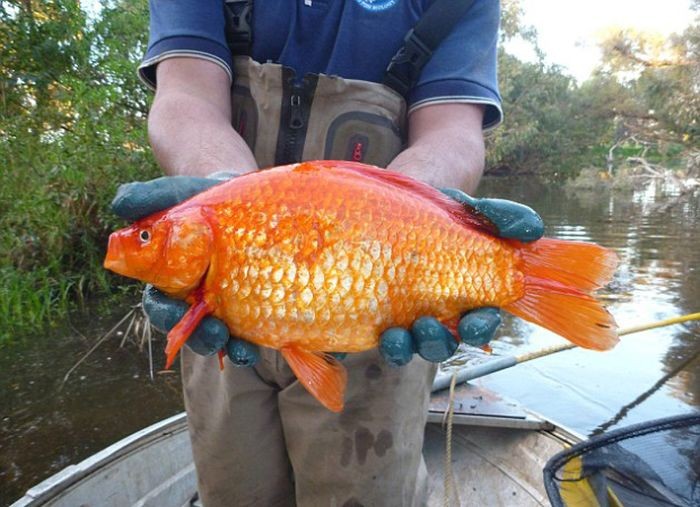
(568, 29)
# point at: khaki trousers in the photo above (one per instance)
(260, 439)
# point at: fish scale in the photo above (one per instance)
(324, 256)
(332, 273)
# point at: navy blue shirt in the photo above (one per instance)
(349, 38)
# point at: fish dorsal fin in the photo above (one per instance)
(321, 374)
(461, 214)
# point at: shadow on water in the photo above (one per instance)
(43, 429)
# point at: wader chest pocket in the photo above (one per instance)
(362, 137)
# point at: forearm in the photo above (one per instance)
(446, 147)
(443, 163)
(189, 138)
(189, 126)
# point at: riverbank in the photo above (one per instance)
(631, 178)
(54, 225)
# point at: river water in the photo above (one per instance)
(45, 427)
(658, 244)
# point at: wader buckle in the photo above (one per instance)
(239, 33)
(408, 61)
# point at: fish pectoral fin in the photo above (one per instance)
(321, 374)
(179, 334)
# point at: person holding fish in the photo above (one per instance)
(243, 86)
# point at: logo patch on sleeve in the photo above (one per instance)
(376, 5)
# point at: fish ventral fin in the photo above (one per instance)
(321, 374)
(179, 334)
(559, 279)
(461, 214)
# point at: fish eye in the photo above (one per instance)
(145, 236)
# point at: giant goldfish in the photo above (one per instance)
(323, 256)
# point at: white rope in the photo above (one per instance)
(448, 440)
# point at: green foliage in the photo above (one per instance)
(71, 129)
(549, 128)
(672, 90)
(659, 78)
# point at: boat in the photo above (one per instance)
(498, 451)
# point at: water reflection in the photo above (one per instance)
(658, 278)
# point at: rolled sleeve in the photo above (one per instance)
(185, 28)
(463, 68)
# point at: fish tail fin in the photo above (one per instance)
(321, 374)
(560, 277)
(179, 334)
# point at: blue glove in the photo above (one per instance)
(428, 337)
(140, 199)
(511, 219)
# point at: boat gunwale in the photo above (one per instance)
(63, 480)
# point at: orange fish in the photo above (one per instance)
(323, 256)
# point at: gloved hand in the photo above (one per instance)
(140, 199)
(428, 337)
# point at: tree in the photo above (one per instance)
(547, 128)
(72, 127)
(662, 76)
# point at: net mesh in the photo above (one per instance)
(652, 464)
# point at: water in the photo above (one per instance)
(44, 428)
(658, 277)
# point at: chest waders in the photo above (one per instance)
(323, 117)
(285, 120)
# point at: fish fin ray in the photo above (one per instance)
(559, 279)
(451, 324)
(321, 374)
(179, 334)
(464, 215)
(586, 266)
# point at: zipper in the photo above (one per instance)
(295, 124)
(296, 106)
(296, 118)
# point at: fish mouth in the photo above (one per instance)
(115, 259)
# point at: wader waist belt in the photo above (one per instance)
(321, 117)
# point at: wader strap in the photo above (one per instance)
(239, 31)
(433, 26)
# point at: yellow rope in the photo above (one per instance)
(449, 414)
(661, 323)
(629, 330)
